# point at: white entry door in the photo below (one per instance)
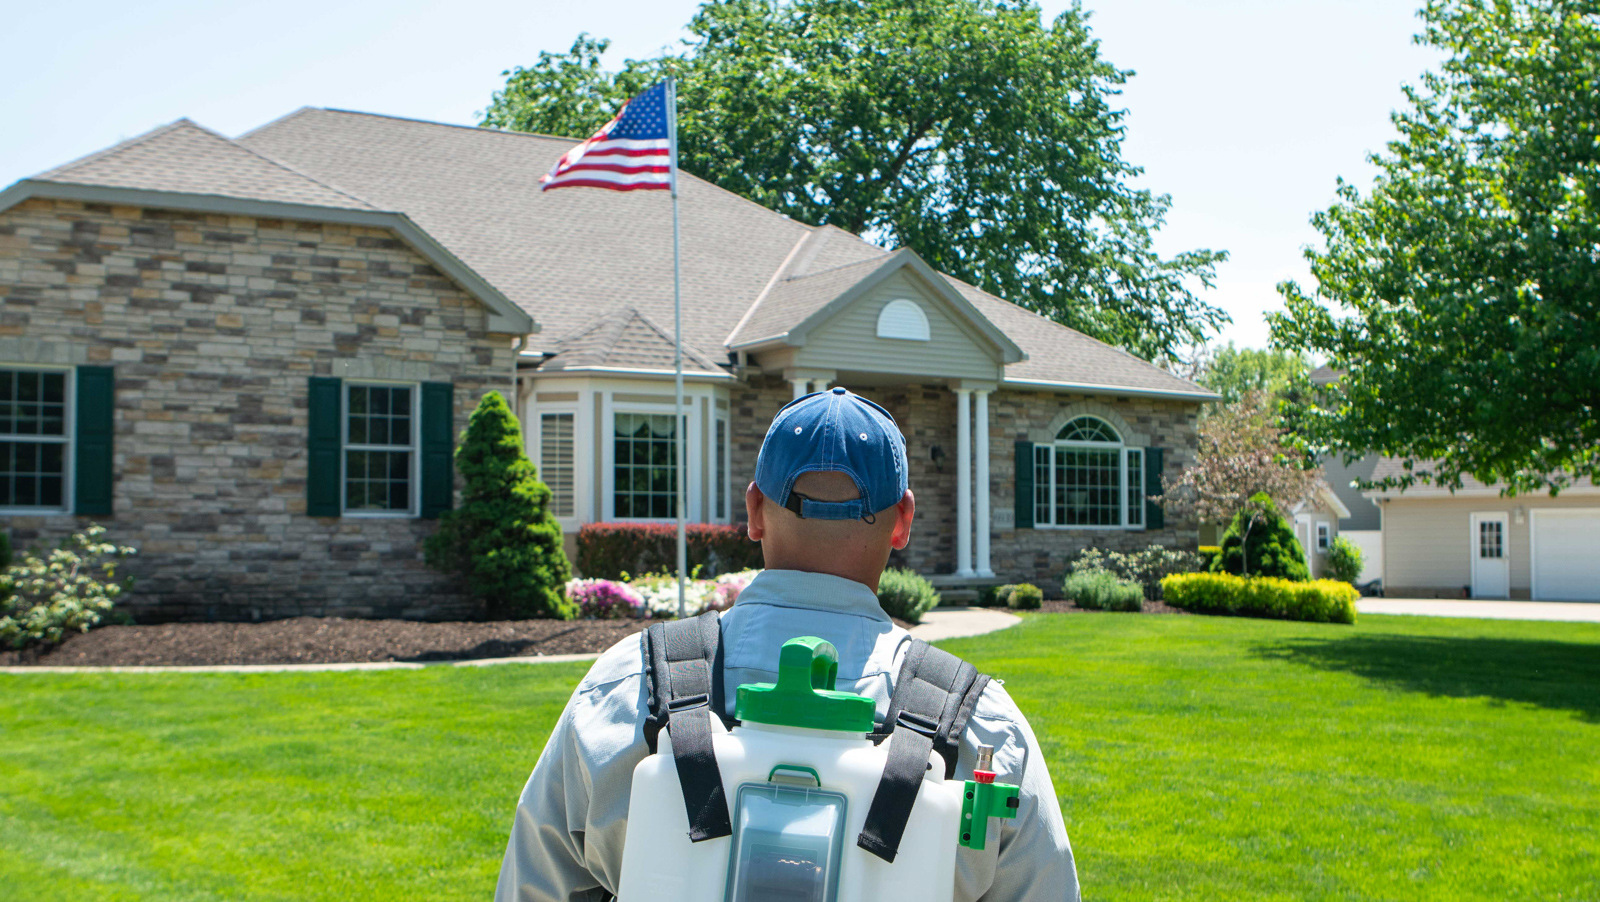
(1491, 559)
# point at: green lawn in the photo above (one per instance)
(1196, 758)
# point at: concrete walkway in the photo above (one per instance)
(1489, 610)
(942, 623)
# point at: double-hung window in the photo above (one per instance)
(1088, 478)
(35, 439)
(380, 449)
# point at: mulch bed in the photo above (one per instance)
(326, 640)
(337, 640)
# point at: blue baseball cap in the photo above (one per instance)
(833, 431)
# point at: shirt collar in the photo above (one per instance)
(802, 589)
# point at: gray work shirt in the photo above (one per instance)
(566, 842)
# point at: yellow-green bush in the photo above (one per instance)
(1321, 601)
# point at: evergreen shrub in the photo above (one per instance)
(906, 595)
(1321, 601)
(611, 550)
(503, 539)
(1025, 597)
(1208, 556)
(1102, 590)
(1271, 550)
(1344, 560)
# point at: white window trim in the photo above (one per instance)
(1122, 448)
(691, 413)
(69, 427)
(346, 446)
(540, 411)
(1324, 537)
(725, 513)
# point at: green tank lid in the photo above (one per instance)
(804, 695)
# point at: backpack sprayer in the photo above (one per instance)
(806, 768)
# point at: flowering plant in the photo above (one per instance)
(728, 587)
(661, 595)
(602, 599)
(71, 589)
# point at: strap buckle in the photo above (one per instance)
(916, 723)
(688, 703)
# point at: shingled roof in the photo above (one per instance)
(593, 267)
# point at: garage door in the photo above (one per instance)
(1566, 555)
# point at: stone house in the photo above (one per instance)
(250, 358)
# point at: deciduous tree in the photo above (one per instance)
(967, 130)
(1462, 292)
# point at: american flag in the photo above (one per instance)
(631, 152)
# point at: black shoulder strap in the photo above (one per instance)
(934, 696)
(683, 678)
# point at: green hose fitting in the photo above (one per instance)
(984, 799)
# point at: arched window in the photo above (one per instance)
(903, 319)
(1088, 478)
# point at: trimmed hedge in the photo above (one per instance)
(1020, 596)
(1101, 590)
(906, 594)
(608, 550)
(1320, 601)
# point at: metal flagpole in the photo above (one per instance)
(680, 429)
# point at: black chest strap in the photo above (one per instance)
(683, 674)
(934, 696)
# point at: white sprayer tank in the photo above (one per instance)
(798, 797)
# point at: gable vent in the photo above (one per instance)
(903, 319)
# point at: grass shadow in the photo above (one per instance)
(1557, 675)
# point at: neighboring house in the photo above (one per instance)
(1363, 524)
(1316, 522)
(250, 359)
(1475, 543)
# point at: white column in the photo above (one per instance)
(984, 570)
(964, 482)
(799, 388)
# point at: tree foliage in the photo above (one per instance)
(967, 130)
(1234, 372)
(1462, 292)
(1243, 451)
(503, 539)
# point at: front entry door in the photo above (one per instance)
(1491, 563)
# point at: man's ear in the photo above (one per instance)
(904, 512)
(754, 506)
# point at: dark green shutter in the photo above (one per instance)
(1024, 480)
(1154, 517)
(324, 437)
(92, 467)
(438, 446)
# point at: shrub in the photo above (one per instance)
(608, 550)
(5, 550)
(1344, 560)
(1208, 557)
(72, 588)
(1145, 567)
(1025, 597)
(993, 596)
(1101, 590)
(602, 599)
(503, 539)
(1322, 601)
(1262, 540)
(906, 595)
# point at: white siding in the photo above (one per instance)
(1426, 540)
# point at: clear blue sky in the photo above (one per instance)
(1245, 111)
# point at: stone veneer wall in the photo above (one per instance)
(213, 324)
(927, 417)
